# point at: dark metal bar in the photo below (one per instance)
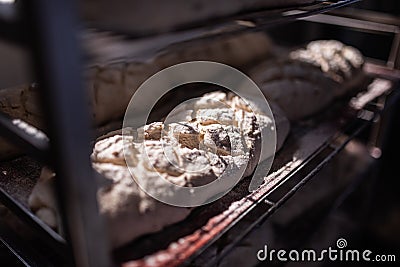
(12, 31)
(394, 59)
(389, 132)
(57, 60)
(260, 21)
(292, 15)
(35, 145)
(366, 15)
(382, 71)
(42, 231)
(25, 255)
(353, 23)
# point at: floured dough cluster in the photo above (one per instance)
(334, 58)
(217, 133)
(309, 79)
(195, 146)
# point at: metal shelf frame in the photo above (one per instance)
(49, 29)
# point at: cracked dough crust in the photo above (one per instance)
(187, 153)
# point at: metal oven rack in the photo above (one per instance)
(57, 63)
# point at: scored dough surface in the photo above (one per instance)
(187, 153)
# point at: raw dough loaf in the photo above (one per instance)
(203, 147)
(110, 86)
(311, 78)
